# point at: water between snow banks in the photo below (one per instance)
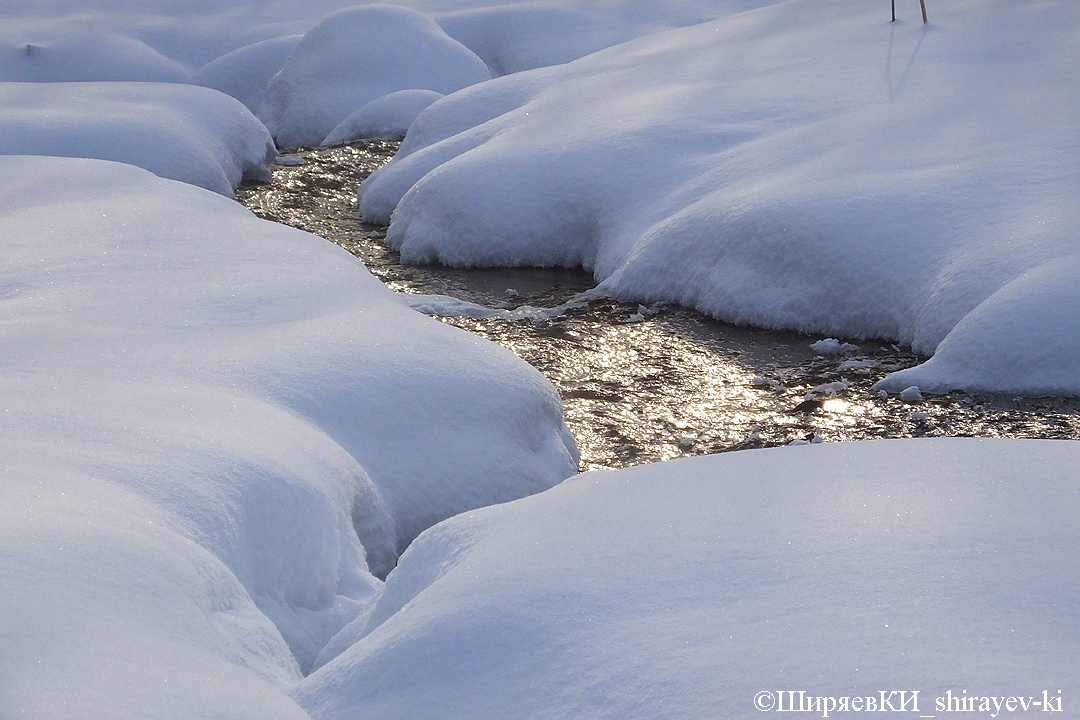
(644, 384)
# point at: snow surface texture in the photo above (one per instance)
(358, 55)
(385, 118)
(804, 166)
(680, 590)
(180, 132)
(270, 402)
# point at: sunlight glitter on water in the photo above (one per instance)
(667, 384)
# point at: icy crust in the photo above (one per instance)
(358, 55)
(798, 166)
(276, 409)
(682, 589)
(180, 132)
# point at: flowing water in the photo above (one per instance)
(643, 384)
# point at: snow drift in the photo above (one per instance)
(179, 132)
(682, 589)
(800, 166)
(258, 413)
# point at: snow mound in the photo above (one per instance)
(800, 166)
(245, 72)
(180, 132)
(81, 56)
(387, 117)
(279, 412)
(678, 590)
(358, 55)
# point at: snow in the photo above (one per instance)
(387, 117)
(218, 433)
(911, 394)
(259, 416)
(680, 590)
(358, 55)
(797, 166)
(180, 132)
(78, 56)
(245, 72)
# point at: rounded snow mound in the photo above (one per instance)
(245, 72)
(58, 56)
(179, 132)
(358, 55)
(388, 117)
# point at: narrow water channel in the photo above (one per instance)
(643, 384)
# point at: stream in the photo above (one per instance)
(641, 384)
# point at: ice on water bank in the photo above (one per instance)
(202, 409)
(799, 166)
(683, 589)
(179, 132)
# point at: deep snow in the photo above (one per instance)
(682, 589)
(268, 402)
(214, 429)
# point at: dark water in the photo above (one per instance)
(643, 384)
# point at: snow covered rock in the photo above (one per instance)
(684, 589)
(387, 117)
(358, 55)
(251, 390)
(180, 132)
(801, 166)
(245, 72)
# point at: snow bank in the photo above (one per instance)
(800, 166)
(258, 410)
(683, 589)
(180, 132)
(387, 117)
(358, 55)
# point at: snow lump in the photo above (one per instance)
(358, 55)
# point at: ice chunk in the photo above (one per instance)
(911, 394)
